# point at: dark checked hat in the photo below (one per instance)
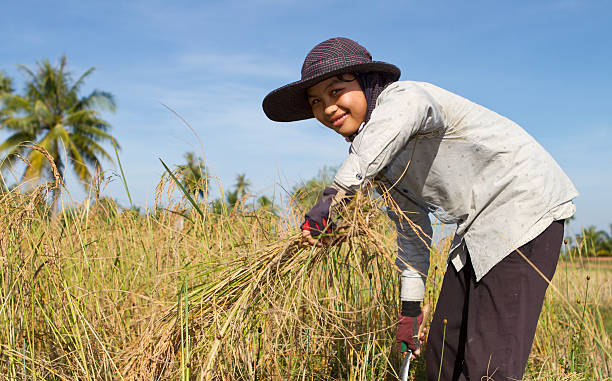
(327, 59)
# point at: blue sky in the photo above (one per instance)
(544, 64)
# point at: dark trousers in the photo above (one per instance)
(490, 324)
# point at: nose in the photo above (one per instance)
(331, 109)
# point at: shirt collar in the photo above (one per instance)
(352, 137)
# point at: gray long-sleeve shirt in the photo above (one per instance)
(443, 154)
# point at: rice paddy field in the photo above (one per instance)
(98, 292)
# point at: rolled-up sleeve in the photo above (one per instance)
(401, 112)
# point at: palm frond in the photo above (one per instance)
(79, 116)
(25, 123)
(100, 99)
(76, 86)
(93, 130)
(74, 156)
(86, 145)
(41, 111)
(14, 103)
(18, 138)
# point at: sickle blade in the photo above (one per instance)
(405, 368)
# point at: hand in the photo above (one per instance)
(321, 219)
(337, 237)
(306, 235)
(412, 331)
(316, 220)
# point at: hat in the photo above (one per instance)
(329, 58)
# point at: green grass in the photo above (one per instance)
(606, 318)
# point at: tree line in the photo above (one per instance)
(592, 242)
(195, 178)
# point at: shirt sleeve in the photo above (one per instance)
(413, 246)
(402, 111)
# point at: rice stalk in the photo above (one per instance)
(281, 279)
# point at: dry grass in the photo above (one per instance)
(98, 292)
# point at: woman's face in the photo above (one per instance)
(339, 104)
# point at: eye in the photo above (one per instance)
(314, 102)
(336, 91)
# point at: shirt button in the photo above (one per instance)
(358, 176)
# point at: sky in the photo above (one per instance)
(544, 64)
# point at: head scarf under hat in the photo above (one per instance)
(329, 58)
(372, 84)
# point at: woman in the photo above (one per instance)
(436, 152)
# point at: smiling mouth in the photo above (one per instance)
(337, 122)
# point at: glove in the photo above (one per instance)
(409, 329)
(317, 218)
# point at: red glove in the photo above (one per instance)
(316, 219)
(314, 228)
(410, 328)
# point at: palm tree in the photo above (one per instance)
(6, 84)
(603, 243)
(242, 184)
(264, 203)
(51, 113)
(607, 243)
(598, 242)
(240, 190)
(194, 176)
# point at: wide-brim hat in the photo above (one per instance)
(329, 58)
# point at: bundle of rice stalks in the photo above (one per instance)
(283, 311)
